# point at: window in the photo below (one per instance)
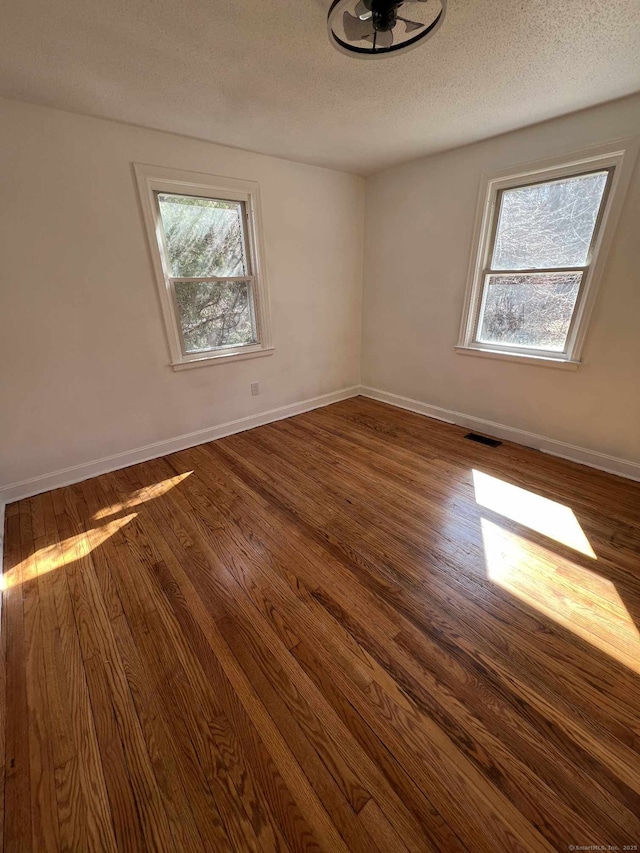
(205, 245)
(538, 253)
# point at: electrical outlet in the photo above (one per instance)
(255, 389)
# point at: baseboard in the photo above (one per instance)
(601, 461)
(406, 403)
(77, 473)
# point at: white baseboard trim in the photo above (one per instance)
(65, 477)
(406, 403)
(75, 474)
(591, 458)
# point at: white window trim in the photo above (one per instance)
(155, 179)
(620, 155)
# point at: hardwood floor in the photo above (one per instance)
(327, 633)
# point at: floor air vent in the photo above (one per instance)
(482, 439)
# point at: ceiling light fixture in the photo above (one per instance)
(372, 29)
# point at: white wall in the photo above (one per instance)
(84, 362)
(418, 234)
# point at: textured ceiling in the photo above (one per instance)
(260, 74)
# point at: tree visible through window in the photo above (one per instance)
(208, 265)
(542, 239)
(205, 235)
(532, 310)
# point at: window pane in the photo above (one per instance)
(529, 310)
(215, 314)
(548, 225)
(204, 236)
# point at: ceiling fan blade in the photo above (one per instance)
(381, 38)
(355, 29)
(363, 10)
(410, 26)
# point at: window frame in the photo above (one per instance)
(155, 180)
(618, 160)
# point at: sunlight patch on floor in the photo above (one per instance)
(140, 496)
(58, 554)
(575, 597)
(545, 516)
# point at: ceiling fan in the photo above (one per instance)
(371, 29)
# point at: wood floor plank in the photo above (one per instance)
(83, 811)
(44, 814)
(437, 834)
(143, 634)
(85, 816)
(382, 835)
(343, 805)
(315, 636)
(310, 810)
(17, 789)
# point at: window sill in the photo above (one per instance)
(221, 358)
(536, 360)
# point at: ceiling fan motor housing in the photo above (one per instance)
(384, 14)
